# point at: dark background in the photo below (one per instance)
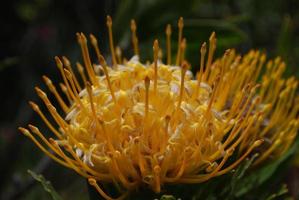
(34, 31)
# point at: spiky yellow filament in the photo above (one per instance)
(180, 26)
(93, 182)
(67, 63)
(104, 65)
(86, 58)
(36, 108)
(90, 95)
(119, 128)
(28, 134)
(134, 37)
(212, 47)
(168, 43)
(146, 84)
(156, 51)
(109, 25)
(81, 72)
(118, 54)
(183, 48)
(64, 90)
(199, 74)
(52, 88)
(185, 67)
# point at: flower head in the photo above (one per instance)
(151, 124)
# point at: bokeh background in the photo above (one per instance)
(34, 31)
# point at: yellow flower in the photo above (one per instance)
(137, 124)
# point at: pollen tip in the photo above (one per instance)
(40, 92)
(118, 51)
(203, 47)
(213, 36)
(227, 52)
(24, 131)
(33, 105)
(45, 77)
(92, 181)
(181, 22)
(109, 20)
(58, 62)
(133, 25)
(66, 61)
(168, 29)
(33, 128)
(47, 80)
(78, 37)
(93, 39)
(258, 142)
(156, 45)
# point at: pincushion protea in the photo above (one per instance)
(137, 124)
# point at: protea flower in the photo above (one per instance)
(147, 125)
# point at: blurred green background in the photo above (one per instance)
(34, 31)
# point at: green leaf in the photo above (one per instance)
(244, 167)
(260, 176)
(232, 188)
(46, 185)
(282, 191)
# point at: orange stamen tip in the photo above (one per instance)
(203, 48)
(47, 80)
(181, 22)
(93, 39)
(118, 51)
(58, 62)
(227, 52)
(66, 61)
(83, 36)
(34, 129)
(92, 181)
(40, 92)
(33, 105)
(24, 131)
(213, 36)
(133, 25)
(78, 37)
(109, 21)
(258, 142)
(156, 45)
(168, 29)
